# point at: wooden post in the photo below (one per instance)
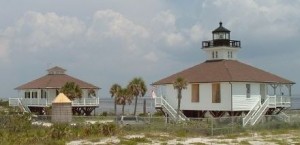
(274, 86)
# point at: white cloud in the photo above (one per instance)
(174, 39)
(151, 56)
(165, 20)
(197, 33)
(261, 19)
(36, 31)
(108, 23)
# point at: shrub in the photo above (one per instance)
(104, 113)
(158, 113)
(60, 131)
(109, 129)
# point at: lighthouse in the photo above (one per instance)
(221, 47)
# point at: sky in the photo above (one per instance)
(112, 41)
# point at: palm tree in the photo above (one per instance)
(179, 84)
(71, 90)
(137, 88)
(115, 91)
(124, 97)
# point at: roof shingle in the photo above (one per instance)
(55, 81)
(224, 71)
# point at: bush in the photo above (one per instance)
(109, 129)
(104, 113)
(158, 113)
(60, 131)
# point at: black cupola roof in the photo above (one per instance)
(221, 29)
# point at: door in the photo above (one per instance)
(263, 92)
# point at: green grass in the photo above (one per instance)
(198, 143)
(278, 141)
(17, 129)
(244, 142)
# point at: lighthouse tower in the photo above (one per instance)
(221, 47)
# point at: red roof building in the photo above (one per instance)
(224, 86)
(55, 79)
(40, 93)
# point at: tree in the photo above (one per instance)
(124, 97)
(71, 90)
(114, 91)
(137, 88)
(179, 85)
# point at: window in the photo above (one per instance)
(248, 90)
(213, 54)
(216, 54)
(27, 94)
(195, 93)
(228, 54)
(34, 94)
(216, 93)
(43, 94)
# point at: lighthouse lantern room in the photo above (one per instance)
(221, 47)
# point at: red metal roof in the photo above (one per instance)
(55, 81)
(224, 71)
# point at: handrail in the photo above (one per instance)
(169, 108)
(260, 111)
(183, 116)
(247, 118)
(172, 111)
(24, 107)
(284, 117)
(86, 101)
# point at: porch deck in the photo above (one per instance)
(32, 102)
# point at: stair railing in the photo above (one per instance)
(24, 107)
(284, 117)
(252, 111)
(171, 111)
(258, 114)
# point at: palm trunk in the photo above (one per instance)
(123, 107)
(115, 106)
(144, 107)
(136, 97)
(179, 102)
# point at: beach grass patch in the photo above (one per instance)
(140, 139)
(128, 142)
(244, 142)
(231, 136)
(198, 143)
(278, 141)
(221, 142)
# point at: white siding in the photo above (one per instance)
(238, 102)
(205, 101)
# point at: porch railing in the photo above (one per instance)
(45, 102)
(85, 102)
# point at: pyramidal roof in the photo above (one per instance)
(61, 98)
(224, 71)
(55, 79)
